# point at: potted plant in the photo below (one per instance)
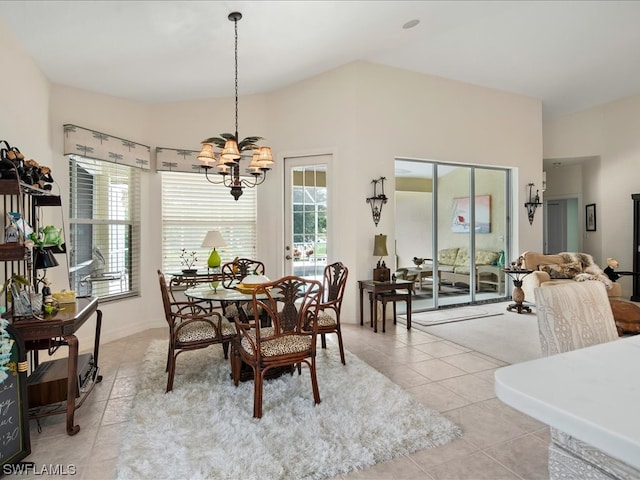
(188, 260)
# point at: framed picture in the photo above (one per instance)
(460, 214)
(21, 224)
(590, 216)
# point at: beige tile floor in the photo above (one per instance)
(498, 442)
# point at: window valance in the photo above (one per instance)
(100, 146)
(178, 160)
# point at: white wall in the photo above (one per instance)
(364, 114)
(610, 134)
(413, 230)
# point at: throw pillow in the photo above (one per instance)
(562, 270)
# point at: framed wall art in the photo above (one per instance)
(590, 217)
(460, 214)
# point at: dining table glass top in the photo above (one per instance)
(204, 291)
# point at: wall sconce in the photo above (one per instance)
(378, 200)
(532, 203)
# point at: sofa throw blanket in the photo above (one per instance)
(590, 269)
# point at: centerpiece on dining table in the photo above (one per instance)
(249, 283)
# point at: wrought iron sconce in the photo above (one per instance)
(378, 200)
(533, 203)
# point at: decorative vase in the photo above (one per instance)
(189, 271)
(518, 294)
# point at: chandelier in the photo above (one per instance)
(228, 162)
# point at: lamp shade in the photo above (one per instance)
(265, 157)
(380, 246)
(230, 152)
(44, 259)
(207, 154)
(213, 239)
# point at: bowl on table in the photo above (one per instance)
(251, 282)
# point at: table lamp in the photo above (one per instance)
(381, 272)
(42, 260)
(213, 239)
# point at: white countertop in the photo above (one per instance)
(592, 394)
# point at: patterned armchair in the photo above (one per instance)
(233, 273)
(191, 326)
(238, 269)
(333, 286)
(291, 304)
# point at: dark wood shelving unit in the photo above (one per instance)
(55, 386)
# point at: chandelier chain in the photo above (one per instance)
(228, 163)
(235, 23)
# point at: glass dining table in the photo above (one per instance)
(204, 291)
(227, 297)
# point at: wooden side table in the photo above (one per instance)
(517, 274)
(377, 288)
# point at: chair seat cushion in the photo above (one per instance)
(279, 346)
(325, 320)
(198, 331)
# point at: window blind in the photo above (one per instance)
(104, 221)
(191, 206)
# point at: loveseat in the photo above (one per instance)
(549, 270)
(453, 266)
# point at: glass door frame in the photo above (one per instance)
(321, 259)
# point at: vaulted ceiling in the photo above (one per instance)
(570, 54)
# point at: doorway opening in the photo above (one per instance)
(307, 242)
(561, 225)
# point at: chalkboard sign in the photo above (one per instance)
(14, 414)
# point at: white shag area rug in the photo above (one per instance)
(438, 317)
(204, 428)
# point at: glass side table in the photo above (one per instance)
(517, 274)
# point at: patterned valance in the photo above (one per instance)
(182, 160)
(100, 146)
(173, 160)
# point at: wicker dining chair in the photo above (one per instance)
(191, 327)
(333, 287)
(240, 268)
(291, 303)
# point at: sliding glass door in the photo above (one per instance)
(455, 218)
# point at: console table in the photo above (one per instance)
(59, 329)
(376, 288)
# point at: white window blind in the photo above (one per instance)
(104, 228)
(191, 206)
